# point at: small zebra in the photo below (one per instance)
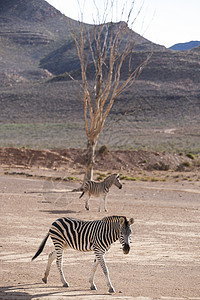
(99, 188)
(96, 236)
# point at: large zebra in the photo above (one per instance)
(80, 235)
(99, 188)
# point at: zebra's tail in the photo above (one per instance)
(41, 246)
(82, 195)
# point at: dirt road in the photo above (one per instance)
(164, 261)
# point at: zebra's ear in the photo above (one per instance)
(131, 221)
(121, 221)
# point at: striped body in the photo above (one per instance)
(96, 236)
(98, 189)
(81, 235)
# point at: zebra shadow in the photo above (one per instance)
(14, 292)
(56, 211)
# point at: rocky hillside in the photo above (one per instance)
(36, 37)
(161, 108)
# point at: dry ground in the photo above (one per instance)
(164, 261)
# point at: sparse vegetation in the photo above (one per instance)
(24, 174)
(101, 176)
(129, 178)
(151, 179)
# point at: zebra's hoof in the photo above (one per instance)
(44, 280)
(65, 284)
(111, 290)
(87, 208)
(93, 287)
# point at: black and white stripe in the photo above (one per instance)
(98, 189)
(96, 236)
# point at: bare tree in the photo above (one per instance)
(104, 50)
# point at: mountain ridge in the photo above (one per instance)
(185, 46)
(27, 24)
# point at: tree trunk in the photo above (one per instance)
(90, 156)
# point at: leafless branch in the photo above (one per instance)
(106, 48)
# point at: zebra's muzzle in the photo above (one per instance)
(120, 187)
(126, 248)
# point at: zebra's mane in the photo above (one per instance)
(112, 175)
(112, 219)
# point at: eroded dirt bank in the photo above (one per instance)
(108, 160)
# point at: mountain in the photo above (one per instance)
(185, 46)
(40, 108)
(35, 36)
(28, 32)
(36, 43)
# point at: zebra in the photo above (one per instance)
(96, 236)
(99, 188)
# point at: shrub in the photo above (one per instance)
(183, 166)
(190, 155)
(103, 149)
(161, 166)
(100, 176)
(197, 163)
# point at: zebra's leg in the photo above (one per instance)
(91, 280)
(59, 262)
(104, 198)
(102, 262)
(52, 257)
(87, 203)
(99, 203)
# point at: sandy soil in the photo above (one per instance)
(164, 261)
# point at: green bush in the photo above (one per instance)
(123, 177)
(190, 155)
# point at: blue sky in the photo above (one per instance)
(165, 22)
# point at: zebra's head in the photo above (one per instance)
(117, 181)
(125, 233)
